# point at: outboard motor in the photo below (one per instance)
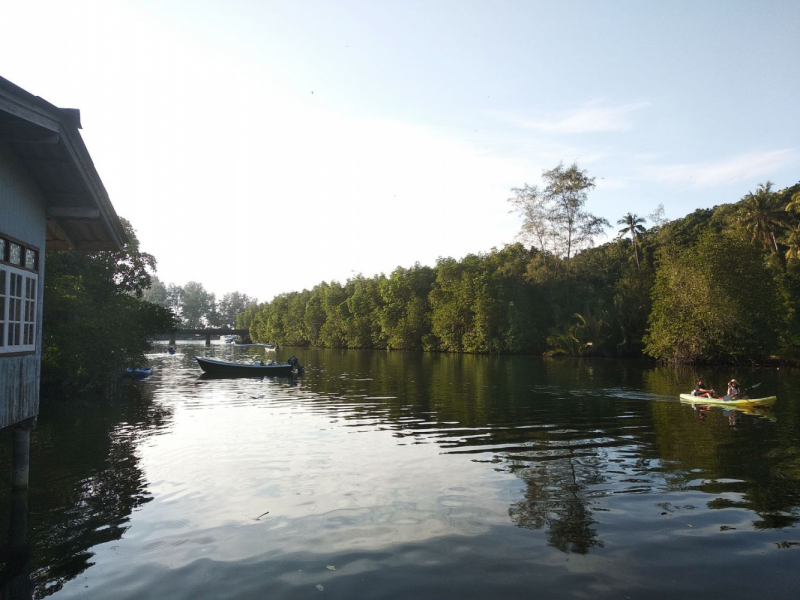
(297, 368)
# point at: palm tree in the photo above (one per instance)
(794, 203)
(760, 216)
(634, 225)
(792, 240)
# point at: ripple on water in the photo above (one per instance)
(413, 475)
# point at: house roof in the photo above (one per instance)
(80, 215)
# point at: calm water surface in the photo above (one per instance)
(392, 475)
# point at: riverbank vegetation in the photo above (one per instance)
(718, 285)
(95, 322)
(196, 308)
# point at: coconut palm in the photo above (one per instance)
(761, 217)
(634, 224)
(794, 203)
(792, 240)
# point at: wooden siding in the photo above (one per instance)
(23, 217)
(19, 388)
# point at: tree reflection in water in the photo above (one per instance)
(85, 480)
(557, 499)
(574, 432)
(659, 445)
(15, 577)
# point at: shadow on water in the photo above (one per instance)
(85, 480)
(588, 452)
(15, 555)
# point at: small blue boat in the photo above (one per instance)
(138, 373)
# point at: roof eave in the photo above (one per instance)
(32, 109)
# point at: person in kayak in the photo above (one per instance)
(701, 390)
(734, 391)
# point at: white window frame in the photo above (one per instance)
(23, 308)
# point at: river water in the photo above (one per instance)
(405, 475)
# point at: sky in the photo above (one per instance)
(264, 147)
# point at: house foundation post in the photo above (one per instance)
(21, 454)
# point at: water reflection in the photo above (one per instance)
(388, 459)
(557, 499)
(15, 577)
(85, 481)
(576, 431)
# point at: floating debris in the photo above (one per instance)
(331, 568)
(320, 588)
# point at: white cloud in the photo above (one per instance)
(612, 183)
(591, 118)
(723, 172)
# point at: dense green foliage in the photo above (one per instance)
(95, 322)
(720, 284)
(714, 300)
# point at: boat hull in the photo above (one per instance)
(742, 403)
(142, 373)
(230, 369)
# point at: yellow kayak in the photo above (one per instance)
(741, 403)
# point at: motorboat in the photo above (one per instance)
(258, 368)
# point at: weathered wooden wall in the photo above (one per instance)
(19, 388)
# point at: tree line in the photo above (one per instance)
(195, 308)
(720, 284)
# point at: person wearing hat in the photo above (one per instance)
(734, 391)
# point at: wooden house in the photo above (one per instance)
(51, 198)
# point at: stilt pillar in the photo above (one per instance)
(208, 339)
(20, 456)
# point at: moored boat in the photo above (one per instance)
(741, 402)
(142, 373)
(257, 369)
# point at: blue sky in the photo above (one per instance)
(267, 146)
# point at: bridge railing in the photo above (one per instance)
(207, 333)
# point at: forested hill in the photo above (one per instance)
(719, 285)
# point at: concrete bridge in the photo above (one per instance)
(209, 333)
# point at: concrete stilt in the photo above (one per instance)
(208, 339)
(20, 457)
